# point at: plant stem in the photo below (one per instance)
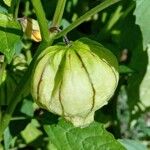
(41, 19)
(21, 90)
(114, 18)
(58, 13)
(2, 69)
(28, 56)
(14, 101)
(27, 9)
(24, 86)
(129, 9)
(90, 13)
(16, 9)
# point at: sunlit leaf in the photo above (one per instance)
(7, 2)
(142, 13)
(10, 36)
(145, 85)
(132, 145)
(30, 133)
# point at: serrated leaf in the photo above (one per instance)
(142, 13)
(94, 137)
(132, 144)
(10, 34)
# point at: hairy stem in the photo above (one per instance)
(90, 13)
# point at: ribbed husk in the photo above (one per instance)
(75, 80)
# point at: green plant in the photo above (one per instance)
(23, 62)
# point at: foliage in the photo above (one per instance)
(121, 26)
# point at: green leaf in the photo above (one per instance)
(131, 39)
(94, 137)
(145, 84)
(10, 36)
(7, 2)
(17, 125)
(142, 13)
(3, 9)
(132, 145)
(7, 138)
(27, 108)
(125, 69)
(31, 132)
(64, 23)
